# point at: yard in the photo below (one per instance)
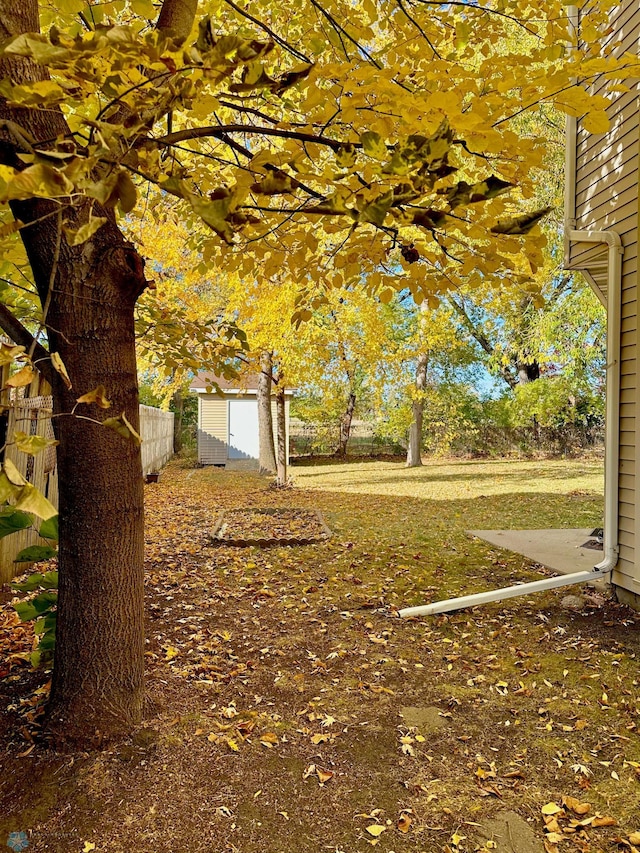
(290, 709)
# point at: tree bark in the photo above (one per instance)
(345, 426)
(266, 454)
(281, 427)
(90, 291)
(178, 408)
(414, 454)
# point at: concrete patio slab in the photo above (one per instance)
(560, 550)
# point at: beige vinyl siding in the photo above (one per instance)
(606, 174)
(213, 429)
(607, 199)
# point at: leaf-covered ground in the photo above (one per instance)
(290, 709)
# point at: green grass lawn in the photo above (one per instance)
(454, 480)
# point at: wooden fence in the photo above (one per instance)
(33, 416)
(156, 429)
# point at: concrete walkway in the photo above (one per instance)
(560, 550)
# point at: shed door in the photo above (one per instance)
(243, 429)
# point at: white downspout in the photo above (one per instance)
(612, 417)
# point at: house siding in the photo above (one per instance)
(606, 198)
(213, 429)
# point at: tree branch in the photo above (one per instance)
(276, 38)
(221, 131)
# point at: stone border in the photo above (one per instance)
(264, 542)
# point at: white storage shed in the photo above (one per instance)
(228, 421)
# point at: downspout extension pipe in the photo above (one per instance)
(612, 445)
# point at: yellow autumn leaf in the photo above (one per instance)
(122, 426)
(324, 775)
(32, 444)
(551, 808)
(597, 121)
(32, 500)
(97, 396)
(322, 738)
(88, 847)
(13, 475)
(576, 806)
(23, 377)
(58, 366)
(554, 837)
(376, 829)
(604, 820)
(9, 352)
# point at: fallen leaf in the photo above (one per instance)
(376, 829)
(604, 820)
(88, 847)
(555, 837)
(551, 808)
(322, 738)
(324, 775)
(404, 822)
(576, 806)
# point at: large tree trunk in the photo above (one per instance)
(345, 425)
(97, 688)
(414, 450)
(281, 428)
(90, 291)
(266, 454)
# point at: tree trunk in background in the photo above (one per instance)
(281, 427)
(178, 408)
(345, 426)
(414, 450)
(91, 290)
(267, 455)
(528, 372)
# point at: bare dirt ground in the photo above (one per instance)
(290, 709)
